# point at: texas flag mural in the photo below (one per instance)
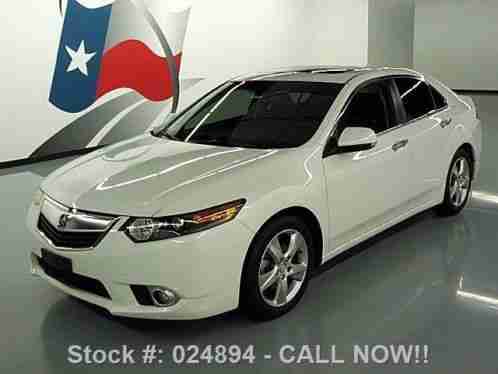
(112, 44)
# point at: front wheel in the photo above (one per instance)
(277, 269)
(458, 184)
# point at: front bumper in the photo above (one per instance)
(203, 269)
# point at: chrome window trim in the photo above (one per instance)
(399, 126)
(425, 116)
(354, 92)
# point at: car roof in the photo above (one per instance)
(326, 74)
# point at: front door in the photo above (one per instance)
(365, 188)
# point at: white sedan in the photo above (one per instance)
(235, 201)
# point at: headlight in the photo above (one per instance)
(150, 229)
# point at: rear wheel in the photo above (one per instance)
(458, 184)
(277, 269)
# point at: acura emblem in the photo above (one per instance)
(63, 221)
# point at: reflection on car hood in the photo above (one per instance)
(134, 177)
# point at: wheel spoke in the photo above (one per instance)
(454, 172)
(461, 167)
(276, 250)
(454, 195)
(459, 196)
(453, 189)
(266, 262)
(281, 293)
(268, 279)
(464, 192)
(298, 271)
(296, 242)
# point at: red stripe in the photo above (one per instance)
(131, 64)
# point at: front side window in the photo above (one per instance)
(369, 107)
(256, 114)
(415, 96)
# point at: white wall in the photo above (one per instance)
(224, 38)
(391, 32)
(227, 38)
(230, 37)
(455, 41)
(336, 32)
(30, 32)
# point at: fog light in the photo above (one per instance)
(163, 297)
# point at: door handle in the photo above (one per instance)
(445, 123)
(401, 144)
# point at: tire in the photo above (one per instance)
(458, 184)
(264, 275)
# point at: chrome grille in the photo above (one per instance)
(71, 229)
(67, 239)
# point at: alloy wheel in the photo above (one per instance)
(283, 268)
(459, 182)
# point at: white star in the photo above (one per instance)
(79, 59)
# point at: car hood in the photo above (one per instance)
(148, 175)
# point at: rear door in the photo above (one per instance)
(427, 120)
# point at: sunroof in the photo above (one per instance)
(331, 71)
(310, 70)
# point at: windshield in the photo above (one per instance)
(256, 114)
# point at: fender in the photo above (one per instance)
(310, 193)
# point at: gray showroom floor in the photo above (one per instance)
(429, 281)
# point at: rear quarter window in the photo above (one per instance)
(415, 96)
(439, 99)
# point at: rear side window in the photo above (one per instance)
(439, 100)
(415, 96)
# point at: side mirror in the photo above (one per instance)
(355, 139)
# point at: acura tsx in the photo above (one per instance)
(236, 200)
